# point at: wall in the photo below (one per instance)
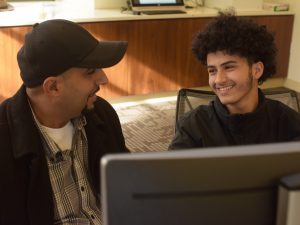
(77, 5)
(293, 80)
(108, 4)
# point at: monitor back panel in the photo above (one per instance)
(194, 187)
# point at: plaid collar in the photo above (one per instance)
(49, 145)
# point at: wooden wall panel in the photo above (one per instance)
(159, 56)
(11, 40)
(117, 75)
(282, 27)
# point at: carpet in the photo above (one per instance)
(148, 126)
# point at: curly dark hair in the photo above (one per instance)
(237, 36)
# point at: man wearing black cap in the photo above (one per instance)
(55, 129)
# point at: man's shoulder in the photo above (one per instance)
(103, 111)
(103, 105)
(4, 124)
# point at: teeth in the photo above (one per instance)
(225, 88)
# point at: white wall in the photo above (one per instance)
(77, 5)
(107, 4)
(294, 66)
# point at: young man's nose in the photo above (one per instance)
(220, 76)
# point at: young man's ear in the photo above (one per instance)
(257, 70)
(50, 86)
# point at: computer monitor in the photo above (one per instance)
(156, 5)
(209, 186)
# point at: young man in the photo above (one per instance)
(239, 55)
(55, 129)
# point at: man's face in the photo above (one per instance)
(79, 89)
(234, 81)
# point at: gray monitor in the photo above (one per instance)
(209, 186)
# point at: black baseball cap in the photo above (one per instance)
(55, 46)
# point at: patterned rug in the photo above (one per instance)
(148, 126)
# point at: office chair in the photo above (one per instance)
(284, 95)
(188, 99)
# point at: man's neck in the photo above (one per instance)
(47, 114)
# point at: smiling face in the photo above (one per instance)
(234, 81)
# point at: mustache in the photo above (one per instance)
(223, 85)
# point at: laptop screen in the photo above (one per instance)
(142, 5)
(156, 2)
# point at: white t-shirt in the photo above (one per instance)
(61, 136)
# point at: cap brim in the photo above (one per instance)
(106, 54)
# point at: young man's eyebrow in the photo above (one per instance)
(228, 62)
(223, 64)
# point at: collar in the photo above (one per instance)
(236, 119)
(92, 115)
(49, 144)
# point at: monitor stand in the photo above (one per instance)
(289, 201)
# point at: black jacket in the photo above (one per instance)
(212, 125)
(26, 194)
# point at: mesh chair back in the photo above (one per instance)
(188, 99)
(284, 95)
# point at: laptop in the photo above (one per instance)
(151, 7)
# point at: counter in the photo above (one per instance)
(32, 12)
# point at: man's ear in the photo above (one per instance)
(51, 86)
(257, 70)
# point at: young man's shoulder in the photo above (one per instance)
(204, 111)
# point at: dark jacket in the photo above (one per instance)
(212, 125)
(26, 194)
